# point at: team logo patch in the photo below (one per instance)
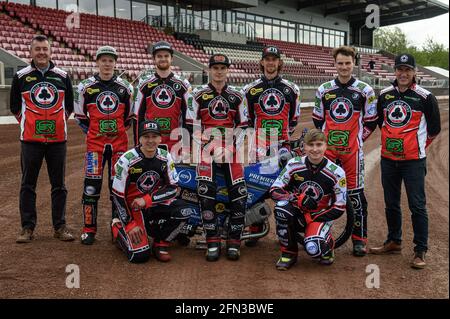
(341, 110)
(107, 102)
(163, 96)
(218, 108)
(398, 114)
(355, 96)
(394, 145)
(272, 101)
(108, 126)
(45, 127)
(338, 138)
(272, 127)
(147, 181)
(44, 95)
(311, 189)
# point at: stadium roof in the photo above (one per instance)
(391, 11)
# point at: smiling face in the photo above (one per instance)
(271, 65)
(40, 53)
(315, 150)
(163, 60)
(149, 143)
(344, 66)
(405, 76)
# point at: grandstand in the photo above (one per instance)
(306, 48)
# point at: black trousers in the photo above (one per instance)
(412, 173)
(31, 157)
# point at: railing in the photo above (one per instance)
(368, 50)
(189, 23)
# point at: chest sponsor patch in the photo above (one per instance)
(163, 96)
(45, 127)
(272, 101)
(398, 114)
(394, 145)
(341, 110)
(107, 102)
(311, 189)
(218, 108)
(147, 181)
(338, 138)
(44, 95)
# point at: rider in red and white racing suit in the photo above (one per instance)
(217, 109)
(273, 106)
(309, 193)
(103, 109)
(346, 110)
(145, 190)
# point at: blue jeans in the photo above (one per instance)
(413, 174)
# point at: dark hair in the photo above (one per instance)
(38, 38)
(344, 50)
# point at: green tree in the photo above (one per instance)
(390, 39)
(394, 40)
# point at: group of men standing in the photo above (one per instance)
(143, 180)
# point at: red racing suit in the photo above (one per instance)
(325, 184)
(164, 101)
(347, 114)
(273, 104)
(103, 109)
(409, 121)
(42, 104)
(216, 112)
(154, 179)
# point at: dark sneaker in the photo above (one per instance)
(359, 248)
(286, 261)
(183, 239)
(251, 242)
(418, 261)
(233, 251)
(161, 253)
(389, 247)
(328, 258)
(213, 252)
(63, 234)
(25, 236)
(87, 238)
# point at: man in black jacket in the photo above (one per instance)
(42, 101)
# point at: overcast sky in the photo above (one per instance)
(436, 28)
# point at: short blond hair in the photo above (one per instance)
(314, 135)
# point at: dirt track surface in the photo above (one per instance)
(37, 270)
